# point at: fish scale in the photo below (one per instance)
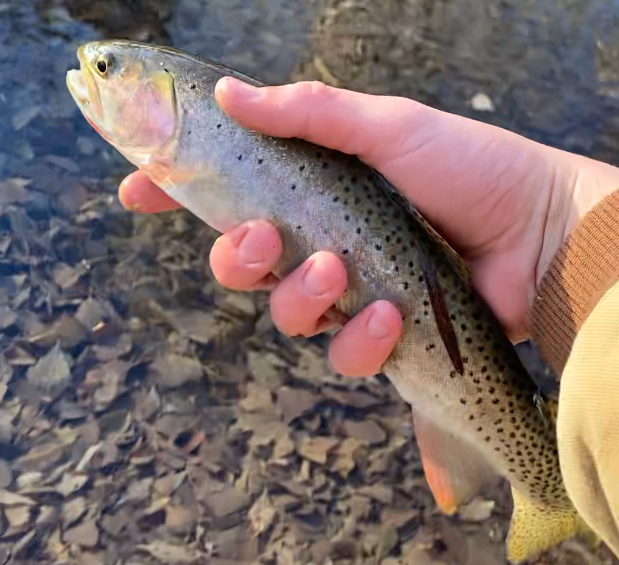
(475, 407)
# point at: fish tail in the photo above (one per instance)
(536, 528)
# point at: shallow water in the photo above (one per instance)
(146, 414)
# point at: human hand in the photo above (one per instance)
(505, 203)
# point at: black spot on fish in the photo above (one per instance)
(218, 126)
(319, 155)
(298, 227)
(260, 161)
(193, 87)
(358, 230)
(293, 187)
(378, 247)
(336, 199)
(240, 157)
(302, 168)
(418, 321)
(345, 251)
(325, 166)
(394, 258)
(430, 347)
(347, 218)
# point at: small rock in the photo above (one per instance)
(85, 146)
(482, 103)
(477, 510)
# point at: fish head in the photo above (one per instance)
(127, 95)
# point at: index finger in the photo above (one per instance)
(138, 194)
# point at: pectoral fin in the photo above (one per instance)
(454, 470)
(535, 528)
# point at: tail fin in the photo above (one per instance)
(535, 528)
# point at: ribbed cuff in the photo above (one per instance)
(583, 270)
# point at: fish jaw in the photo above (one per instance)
(132, 105)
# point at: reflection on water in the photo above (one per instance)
(149, 416)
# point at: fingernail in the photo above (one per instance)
(240, 88)
(250, 250)
(378, 325)
(130, 206)
(313, 281)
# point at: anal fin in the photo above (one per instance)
(454, 470)
(535, 528)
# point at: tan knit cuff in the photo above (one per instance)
(583, 270)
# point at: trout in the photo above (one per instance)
(476, 410)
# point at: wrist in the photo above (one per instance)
(580, 262)
(578, 185)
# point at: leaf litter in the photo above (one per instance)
(150, 416)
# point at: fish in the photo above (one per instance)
(477, 413)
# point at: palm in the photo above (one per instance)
(489, 197)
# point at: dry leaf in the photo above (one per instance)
(170, 554)
(317, 449)
(262, 515)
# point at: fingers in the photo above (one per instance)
(339, 119)
(243, 258)
(138, 194)
(361, 348)
(300, 300)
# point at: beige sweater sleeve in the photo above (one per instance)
(575, 322)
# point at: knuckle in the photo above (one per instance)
(312, 88)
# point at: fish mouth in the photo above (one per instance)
(78, 87)
(81, 83)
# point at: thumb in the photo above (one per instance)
(358, 124)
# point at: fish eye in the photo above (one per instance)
(103, 65)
